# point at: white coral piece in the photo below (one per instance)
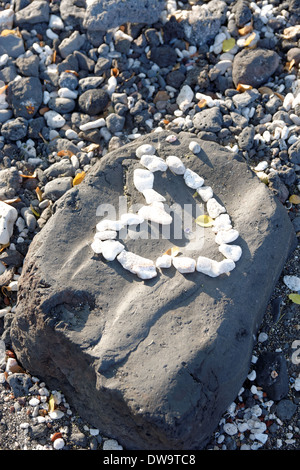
(144, 268)
(192, 179)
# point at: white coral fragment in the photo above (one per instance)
(222, 222)
(292, 282)
(233, 252)
(111, 248)
(214, 209)
(154, 163)
(106, 235)
(8, 216)
(153, 196)
(175, 165)
(226, 236)
(184, 264)
(144, 268)
(192, 179)
(185, 97)
(145, 149)
(143, 179)
(205, 192)
(108, 224)
(214, 268)
(97, 246)
(164, 261)
(156, 213)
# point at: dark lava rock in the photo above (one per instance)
(254, 67)
(28, 66)
(9, 183)
(242, 11)
(15, 129)
(209, 120)
(93, 101)
(25, 96)
(164, 56)
(203, 22)
(294, 152)
(285, 409)
(11, 45)
(152, 363)
(272, 375)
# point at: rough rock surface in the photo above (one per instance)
(155, 362)
(106, 14)
(254, 67)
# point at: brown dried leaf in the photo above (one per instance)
(243, 87)
(65, 153)
(114, 72)
(43, 110)
(72, 71)
(39, 194)
(172, 251)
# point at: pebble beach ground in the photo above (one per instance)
(82, 96)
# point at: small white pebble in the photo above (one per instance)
(34, 401)
(262, 337)
(194, 147)
(58, 444)
(230, 429)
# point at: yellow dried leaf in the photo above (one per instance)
(204, 221)
(78, 178)
(34, 211)
(51, 404)
(295, 298)
(250, 38)
(248, 28)
(172, 251)
(291, 64)
(7, 32)
(228, 44)
(291, 32)
(294, 199)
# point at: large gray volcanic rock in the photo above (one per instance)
(106, 14)
(152, 363)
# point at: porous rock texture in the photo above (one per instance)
(101, 15)
(154, 363)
